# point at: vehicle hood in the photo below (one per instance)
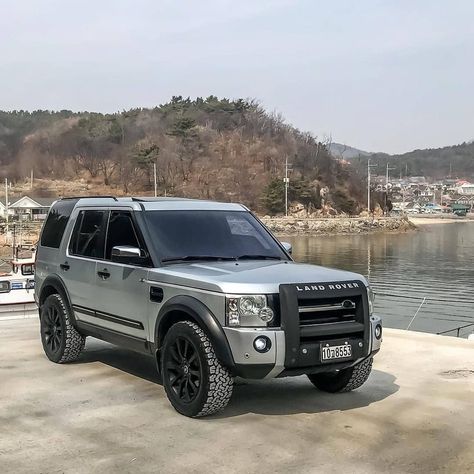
(249, 276)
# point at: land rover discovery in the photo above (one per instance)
(205, 289)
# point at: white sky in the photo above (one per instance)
(388, 75)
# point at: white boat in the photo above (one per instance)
(17, 289)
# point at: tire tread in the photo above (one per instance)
(75, 341)
(220, 380)
(359, 375)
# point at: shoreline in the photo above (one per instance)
(338, 225)
(425, 220)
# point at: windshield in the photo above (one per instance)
(210, 235)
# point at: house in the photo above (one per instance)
(460, 209)
(412, 208)
(465, 200)
(466, 189)
(28, 208)
(432, 208)
(3, 210)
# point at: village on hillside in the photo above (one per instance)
(416, 195)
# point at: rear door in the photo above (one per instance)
(123, 301)
(78, 270)
(49, 255)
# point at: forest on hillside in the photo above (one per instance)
(231, 150)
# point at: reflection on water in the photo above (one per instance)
(436, 263)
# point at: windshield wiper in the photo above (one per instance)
(189, 258)
(257, 257)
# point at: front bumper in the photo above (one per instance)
(254, 365)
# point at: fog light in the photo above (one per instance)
(378, 331)
(262, 344)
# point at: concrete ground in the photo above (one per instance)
(109, 413)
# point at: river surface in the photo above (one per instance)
(436, 263)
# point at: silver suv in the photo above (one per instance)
(205, 289)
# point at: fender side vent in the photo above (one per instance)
(156, 294)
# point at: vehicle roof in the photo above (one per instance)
(157, 203)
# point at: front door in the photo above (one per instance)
(122, 299)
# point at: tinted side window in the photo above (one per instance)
(55, 224)
(122, 231)
(89, 234)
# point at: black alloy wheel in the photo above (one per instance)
(52, 329)
(184, 369)
(195, 381)
(61, 340)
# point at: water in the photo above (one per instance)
(437, 263)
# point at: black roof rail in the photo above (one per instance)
(89, 197)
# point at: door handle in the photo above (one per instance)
(104, 274)
(64, 266)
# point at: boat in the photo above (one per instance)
(17, 288)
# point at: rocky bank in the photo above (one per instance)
(337, 225)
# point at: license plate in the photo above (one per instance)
(336, 352)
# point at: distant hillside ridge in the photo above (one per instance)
(346, 152)
(211, 148)
(455, 161)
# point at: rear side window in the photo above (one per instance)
(56, 222)
(88, 238)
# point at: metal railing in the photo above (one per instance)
(435, 309)
(458, 329)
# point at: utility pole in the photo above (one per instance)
(286, 180)
(386, 184)
(154, 177)
(368, 183)
(6, 206)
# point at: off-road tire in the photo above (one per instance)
(215, 388)
(345, 380)
(70, 341)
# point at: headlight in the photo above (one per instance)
(248, 310)
(371, 298)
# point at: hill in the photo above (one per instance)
(347, 152)
(456, 161)
(231, 150)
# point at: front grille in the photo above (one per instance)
(313, 314)
(329, 310)
(326, 317)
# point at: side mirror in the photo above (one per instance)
(287, 246)
(127, 251)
